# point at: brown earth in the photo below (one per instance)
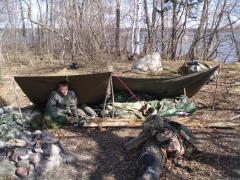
(101, 150)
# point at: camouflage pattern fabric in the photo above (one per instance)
(165, 107)
(58, 104)
(174, 137)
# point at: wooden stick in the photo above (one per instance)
(235, 117)
(17, 101)
(215, 93)
(112, 91)
(115, 123)
(106, 97)
(185, 93)
(135, 142)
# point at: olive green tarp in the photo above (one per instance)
(165, 86)
(91, 88)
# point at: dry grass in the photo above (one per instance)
(103, 156)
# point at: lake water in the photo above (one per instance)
(226, 50)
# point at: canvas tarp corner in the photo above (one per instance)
(89, 88)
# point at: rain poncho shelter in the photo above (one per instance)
(92, 88)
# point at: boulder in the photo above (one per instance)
(35, 158)
(22, 171)
(149, 63)
(23, 163)
(17, 143)
(7, 169)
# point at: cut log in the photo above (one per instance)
(114, 123)
(233, 125)
(189, 122)
(135, 142)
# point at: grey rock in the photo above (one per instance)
(7, 169)
(18, 152)
(61, 145)
(37, 132)
(22, 171)
(31, 174)
(8, 109)
(24, 157)
(35, 158)
(2, 144)
(38, 150)
(47, 137)
(23, 163)
(28, 138)
(149, 63)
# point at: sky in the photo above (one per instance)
(126, 13)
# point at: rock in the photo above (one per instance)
(55, 150)
(37, 132)
(2, 144)
(34, 158)
(31, 173)
(7, 169)
(1, 111)
(23, 163)
(23, 157)
(38, 150)
(28, 138)
(61, 145)
(22, 171)
(50, 149)
(8, 109)
(17, 143)
(48, 164)
(18, 152)
(47, 137)
(149, 63)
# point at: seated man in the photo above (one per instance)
(62, 105)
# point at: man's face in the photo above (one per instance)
(63, 89)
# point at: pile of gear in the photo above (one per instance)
(24, 153)
(195, 66)
(161, 139)
(126, 107)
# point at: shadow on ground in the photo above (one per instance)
(110, 159)
(220, 150)
(102, 155)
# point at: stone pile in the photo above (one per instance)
(30, 154)
(27, 154)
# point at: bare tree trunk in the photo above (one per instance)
(200, 31)
(234, 38)
(214, 31)
(153, 30)
(174, 27)
(133, 29)
(147, 22)
(117, 37)
(23, 21)
(137, 30)
(162, 27)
